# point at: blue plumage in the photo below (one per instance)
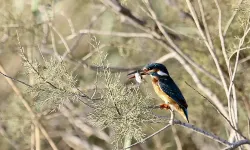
(169, 87)
(165, 88)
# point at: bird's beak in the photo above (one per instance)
(141, 72)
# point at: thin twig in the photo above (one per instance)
(148, 137)
(232, 112)
(203, 132)
(33, 115)
(237, 59)
(232, 18)
(15, 79)
(165, 57)
(176, 138)
(194, 15)
(222, 40)
(216, 108)
(205, 23)
(63, 40)
(197, 130)
(109, 33)
(231, 85)
(236, 51)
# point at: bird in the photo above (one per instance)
(165, 88)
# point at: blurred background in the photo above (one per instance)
(75, 31)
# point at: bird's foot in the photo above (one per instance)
(165, 106)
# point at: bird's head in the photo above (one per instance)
(156, 69)
(153, 69)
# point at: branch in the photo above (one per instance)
(202, 132)
(237, 144)
(216, 108)
(68, 50)
(231, 18)
(15, 79)
(165, 57)
(33, 115)
(205, 23)
(197, 130)
(237, 59)
(117, 7)
(176, 138)
(112, 33)
(112, 69)
(148, 137)
(191, 8)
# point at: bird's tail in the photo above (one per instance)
(184, 113)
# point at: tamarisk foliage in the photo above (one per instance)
(53, 84)
(122, 109)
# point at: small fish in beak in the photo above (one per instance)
(138, 75)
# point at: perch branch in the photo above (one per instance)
(148, 137)
(199, 131)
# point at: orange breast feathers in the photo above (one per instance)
(160, 93)
(166, 98)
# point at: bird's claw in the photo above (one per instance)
(165, 106)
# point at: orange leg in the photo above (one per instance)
(166, 106)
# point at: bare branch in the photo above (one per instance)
(222, 77)
(117, 7)
(15, 79)
(112, 69)
(231, 18)
(63, 40)
(202, 132)
(205, 23)
(33, 115)
(237, 58)
(199, 131)
(237, 144)
(113, 33)
(215, 107)
(176, 138)
(148, 137)
(222, 37)
(165, 57)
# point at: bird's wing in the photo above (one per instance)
(168, 86)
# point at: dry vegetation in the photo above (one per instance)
(63, 66)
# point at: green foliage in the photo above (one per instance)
(123, 109)
(54, 85)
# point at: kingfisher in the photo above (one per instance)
(165, 88)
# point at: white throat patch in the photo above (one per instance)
(161, 73)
